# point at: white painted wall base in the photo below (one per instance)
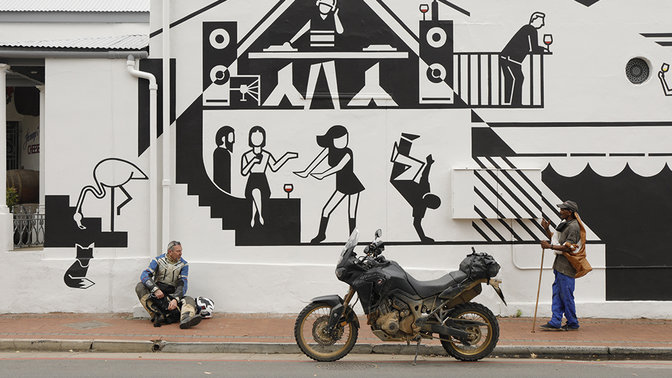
(257, 288)
(6, 231)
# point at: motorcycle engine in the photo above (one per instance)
(393, 316)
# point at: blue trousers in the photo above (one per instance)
(563, 301)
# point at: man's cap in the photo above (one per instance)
(569, 205)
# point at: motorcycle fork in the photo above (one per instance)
(348, 297)
(338, 312)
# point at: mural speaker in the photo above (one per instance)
(220, 41)
(436, 62)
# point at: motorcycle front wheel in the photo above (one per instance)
(481, 339)
(312, 336)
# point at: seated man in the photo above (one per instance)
(163, 287)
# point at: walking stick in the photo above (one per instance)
(536, 304)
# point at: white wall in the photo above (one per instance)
(91, 110)
(92, 114)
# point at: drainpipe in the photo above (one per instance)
(153, 170)
(43, 118)
(6, 218)
(167, 145)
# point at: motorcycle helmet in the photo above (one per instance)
(205, 307)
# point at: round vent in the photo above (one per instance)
(637, 70)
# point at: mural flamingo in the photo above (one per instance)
(112, 173)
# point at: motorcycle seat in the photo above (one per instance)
(433, 287)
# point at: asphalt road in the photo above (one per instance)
(257, 365)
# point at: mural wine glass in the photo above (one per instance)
(288, 188)
(424, 8)
(548, 39)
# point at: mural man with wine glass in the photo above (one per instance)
(513, 55)
(661, 75)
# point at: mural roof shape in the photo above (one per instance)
(123, 42)
(587, 2)
(358, 18)
(95, 6)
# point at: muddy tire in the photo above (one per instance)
(314, 340)
(482, 339)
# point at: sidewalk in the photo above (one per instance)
(262, 333)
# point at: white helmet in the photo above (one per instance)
(205, 307)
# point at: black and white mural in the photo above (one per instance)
(68, 226)
(448, 124)
(316, 89)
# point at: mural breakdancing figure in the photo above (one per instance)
(221, 158)
(340, 160)
(511, 58)
(112, 173)
(323, 27)
(254, 163)
(410, 177)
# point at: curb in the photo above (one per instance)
(501, 351)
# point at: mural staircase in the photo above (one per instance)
(281, 215)
(62, 231)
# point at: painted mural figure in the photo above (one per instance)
(661, 75)
(75, 276)
(511, 58)
(221, 158)
(113, 173)
(565, 239)
(254, 163)
(322, 28)
(162, 289)
(340, 159)
(410, 177)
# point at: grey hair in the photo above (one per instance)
(173, 244)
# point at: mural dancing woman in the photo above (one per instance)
(340, 160)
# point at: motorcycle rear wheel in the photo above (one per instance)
(314, 340)
(482, 339)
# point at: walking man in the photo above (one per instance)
(566, 239)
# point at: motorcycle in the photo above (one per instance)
(400, 308)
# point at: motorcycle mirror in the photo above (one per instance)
(379, 233)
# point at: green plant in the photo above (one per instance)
(12, 196)
(518, 313)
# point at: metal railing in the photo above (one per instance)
(28, 226)
(479, 82)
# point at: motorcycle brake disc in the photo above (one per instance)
(321, 334)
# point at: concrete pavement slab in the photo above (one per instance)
(270, 333)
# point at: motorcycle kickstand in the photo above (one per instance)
(417, 348)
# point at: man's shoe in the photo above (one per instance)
(550, 327)
(567, 327)
(190, 321)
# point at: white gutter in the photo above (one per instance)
(153, 170)
(13, 53)
(167, 145)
